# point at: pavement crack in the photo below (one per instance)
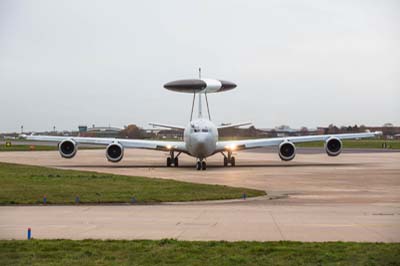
(193, 220)
(277, 226)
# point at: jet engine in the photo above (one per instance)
(333, 146)
(67, 148)
(287, 151)
(114, 152)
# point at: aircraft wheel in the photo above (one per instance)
(198, 166)
(176, 162)
(233, 161)
(169, 162)
(225, 161)
(203, 165)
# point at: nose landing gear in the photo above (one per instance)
(201, 165)
(173, 160)
(229, 159)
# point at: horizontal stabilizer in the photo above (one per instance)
(234, 125)
(167, 126)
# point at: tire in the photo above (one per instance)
(203, 165)
(176, 162)
(169, 162)
(233, 163)
(225, 161)
(198, 166)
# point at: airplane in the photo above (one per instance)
(200, 136)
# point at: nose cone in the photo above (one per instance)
(202, 145)
(227, 85)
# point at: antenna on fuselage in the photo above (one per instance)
(200, 115)
(208, 108)
(205, 94)
(199, 86)
(200, 103)
(191, 113)
(194, 98)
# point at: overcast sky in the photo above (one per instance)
(300, 63)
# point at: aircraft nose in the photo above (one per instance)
(200, 141)
(200, 144)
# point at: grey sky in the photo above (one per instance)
(309, 63)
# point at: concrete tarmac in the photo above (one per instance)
(353, 197)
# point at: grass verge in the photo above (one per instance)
(23, 184)
(172, 252)
(23, 147)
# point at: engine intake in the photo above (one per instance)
(114, 152)
(67, 148)
(287, 151)
(333, 146)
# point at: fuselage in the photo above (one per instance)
(200, 137)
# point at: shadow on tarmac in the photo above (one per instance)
(280, 165)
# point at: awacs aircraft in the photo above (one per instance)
(200, 135)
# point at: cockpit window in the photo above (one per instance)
(198, 129)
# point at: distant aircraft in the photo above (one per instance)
(200, 135)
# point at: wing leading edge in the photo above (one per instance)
(234, 125)
(268, 142)
(126, 143)
(167, 126)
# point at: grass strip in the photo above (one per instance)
(23, 184)
(20, 147)
(173, 252)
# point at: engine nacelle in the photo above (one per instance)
(114, 152)
(67, 148)
(287, 151)
(333, 146)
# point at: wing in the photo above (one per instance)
(259, 143)
(126, 143)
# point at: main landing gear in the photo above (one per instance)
(229, 159)
(172, 159)
(201, 164)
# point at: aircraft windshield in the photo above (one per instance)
(197, 129)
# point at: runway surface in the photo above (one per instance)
(353, 197)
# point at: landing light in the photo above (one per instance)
(231, 147)
(169, 147)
